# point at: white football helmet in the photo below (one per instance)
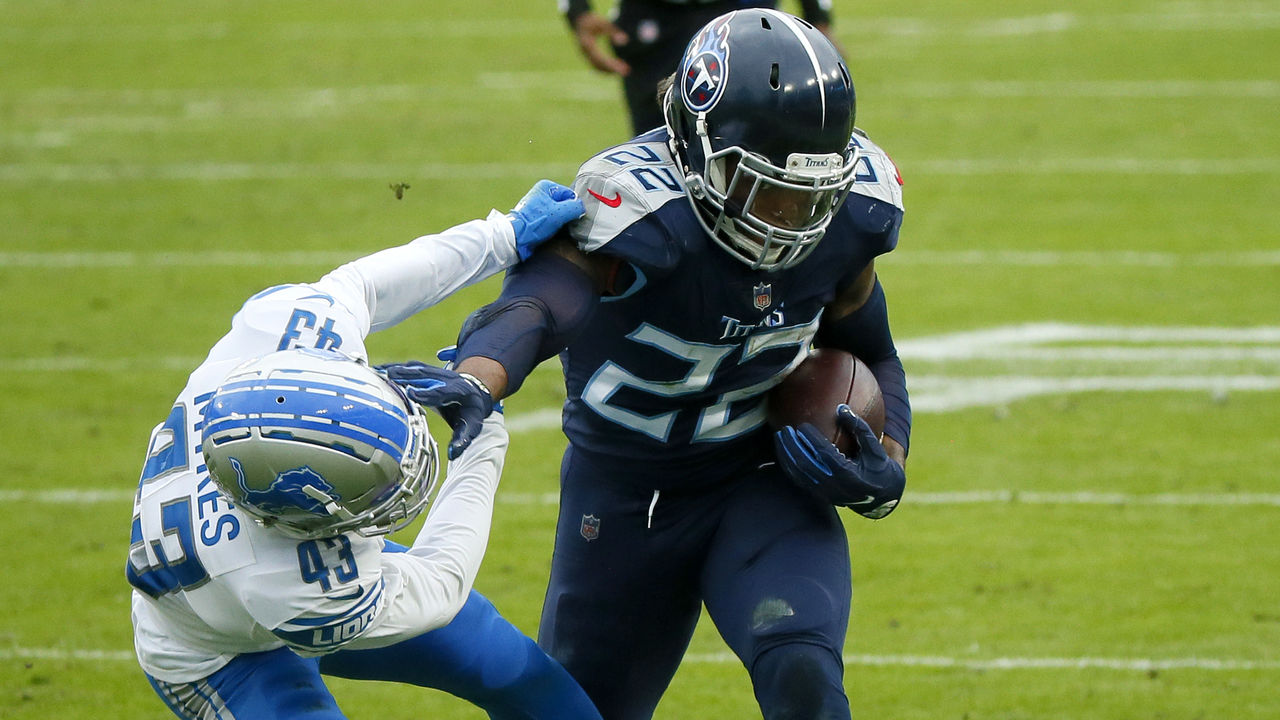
(316, 443)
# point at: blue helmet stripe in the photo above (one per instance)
(382, 425)
(278, 384)
(351, 407)
(338, 432)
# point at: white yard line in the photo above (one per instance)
(1118, 89)
(1136, 664)
(218, 101)
(1181, 17)
(929, 393)
(974, 343)
(83, 496)
(988, 367)
(198, 259)
(938, 394)
(434, 29)
(1081, 258)
(241, 171)
(1008, 258)
(61, 116)
(235, 171)
(1026, 663)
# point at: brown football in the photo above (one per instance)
(824, 380)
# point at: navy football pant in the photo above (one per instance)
(769, 561)
(478, 656)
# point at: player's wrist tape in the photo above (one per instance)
(477, 382)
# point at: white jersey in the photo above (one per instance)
(210, 583)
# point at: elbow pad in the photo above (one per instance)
(865, 333)
(545, 303)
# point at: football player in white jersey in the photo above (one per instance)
(258, 556)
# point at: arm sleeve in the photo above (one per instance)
(397, 282)
(865, 333)
(545, 302)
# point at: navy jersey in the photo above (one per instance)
(673, 369)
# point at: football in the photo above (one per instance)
(822, 381)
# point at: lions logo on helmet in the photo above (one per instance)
(288, 491)
(706, 67)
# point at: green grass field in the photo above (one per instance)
(1086, 296)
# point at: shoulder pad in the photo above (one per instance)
(876, 176)
(619, 187)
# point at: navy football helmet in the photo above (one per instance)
(759, 116)
(317, 443)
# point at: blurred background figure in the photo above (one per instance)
(648, 37)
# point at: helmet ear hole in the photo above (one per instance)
(773, 76)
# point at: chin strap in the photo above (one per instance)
(331, 505)
(717, 179)
(668, 120)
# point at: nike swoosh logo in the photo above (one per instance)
(612, 202)
(350, 596)
(864, 501)
(319, 296)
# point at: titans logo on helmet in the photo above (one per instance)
(285, 492)
(704, 71)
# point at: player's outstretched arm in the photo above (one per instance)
(398, 282)
(544, 304)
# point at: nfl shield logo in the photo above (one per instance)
(590, 527)
(762, 294)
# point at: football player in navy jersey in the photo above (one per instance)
(648, 37)
(714, 252)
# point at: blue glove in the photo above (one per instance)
(448, 355)
(462, 400)
(541, 213)
(870, 483)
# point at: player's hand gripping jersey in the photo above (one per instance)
(672, 370)
(210, 583)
